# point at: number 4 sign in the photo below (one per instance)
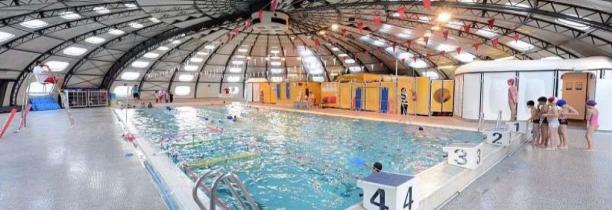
(389, 191)
(497, 136)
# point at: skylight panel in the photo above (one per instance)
(140, 64)
(74, 51)
(116, 32)
(57, 66)
(70, 15)
(5, 36)
(35, 23)
(130, 75)
(101, 10)
(185, 77)
(95, 40)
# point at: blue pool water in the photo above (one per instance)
(295, 160)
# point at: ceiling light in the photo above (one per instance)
(202, 53)
(335, 49)
(196, 60)
(276, 70)
(275, 63)
(235, 70)
(182, 90)
(136, 25)
(69, 15)
(5, 36)
(185, 77)
(35, 23)
(446, 47)
(116, 32)
(130, 75)
(342, 55)
(190, 67)
(150, 55)
(242, 50)
(101, 10)
(444, 17)
(403, 35)
(140, 64)
(334, 27)
(74, 51)
(57, 65)
(163, 48)
(95, 40)
(155, 20)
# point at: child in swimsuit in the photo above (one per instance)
(592, 122)
(542, 108)
(565, 111)
(552, 115)
(535, 122)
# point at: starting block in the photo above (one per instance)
(389, 191)
(464, 155)
(498, 136)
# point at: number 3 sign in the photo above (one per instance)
(464, 155)
(498, 136)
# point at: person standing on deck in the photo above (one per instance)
(512, 99)
(404, 102)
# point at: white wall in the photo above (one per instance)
(604, 101)
(495, 95)
(608, 74)
(471, 96)
(533, 85)
(208, 90)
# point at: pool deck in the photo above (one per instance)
(53, 166)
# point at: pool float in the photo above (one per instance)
(208, 162)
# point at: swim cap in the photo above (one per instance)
(591, 103)
(561, 102)
(542, 99)
(511, 81)
(551, 99)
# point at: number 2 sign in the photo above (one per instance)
(498, 136)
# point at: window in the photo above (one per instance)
(101, 10)
(130, 75)
(140, 64)
(95, 40)
(150, 55)
(37, 88)
(5, 36)
(190, 67)
(69, 15)
(233, 78)
(57, 65)
(182, 90)
(122, 91)
(185, 77)
(136, 25)
(116, 32)
(74, 51)
(35, 23)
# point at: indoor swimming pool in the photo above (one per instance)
(290, 160)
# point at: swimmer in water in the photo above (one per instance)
(168, 108)
(377, 167)
(420, 132)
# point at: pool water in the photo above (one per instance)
(293, 160)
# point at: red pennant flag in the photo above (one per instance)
(273, 5)
(360, 26)
(408, 43)
(476, 46)
(248, 22)
(316, 42)
(491, 22)
(427, 4)
(381, 64)
(466, 28)
(344, 32)
(414, 58)
(261, 15)
(394, 46)
(515, 36)
(377, 20)
(495, 42)
(401, 11)
(459, 50)
(445, 33)
(427, 56)
(426, 39)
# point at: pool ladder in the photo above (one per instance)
(232, 182)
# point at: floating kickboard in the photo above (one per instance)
(205, 163)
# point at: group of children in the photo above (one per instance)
(550, 120)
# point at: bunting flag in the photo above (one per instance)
(381, 64)
(260, 15)
(427, 56)
(344, 32)
(491, 23)
(426, 39)
(515, 36)
(408, 43)
(360, 26)
(414, 58)
(394, 45)
(427, 4)
(401, 11)
(459, 50)
(377, 20)
(476, 46)
(445, 33)
(316, 42)
(495, 41)
(443, 53)
(466, 28)
(248, 22)
(273, 5)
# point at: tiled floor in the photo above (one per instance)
(53, 166)
(534, 178)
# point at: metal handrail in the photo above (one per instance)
(229, 179)
(213, 172)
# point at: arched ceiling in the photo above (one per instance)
(160, 44)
